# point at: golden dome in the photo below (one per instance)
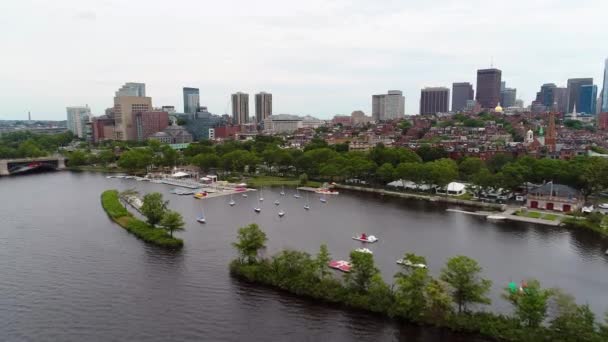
(498, 108)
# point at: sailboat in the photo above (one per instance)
(323, 199)
(281, 213)
(307, 205)
(201, 218)
(277, 202)
(297, 194)
(282, 190)
(260, 198)
(257, 209)
(244, 195)
(232, 202)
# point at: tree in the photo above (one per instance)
(470, 166)
(594, 176)
(136, 159)
(462, 274)
(363, 269)
(206, 161)
(439, 303)
(443, 171)
(497, 161)
(106, 157)
(153, 207)
(428, 153)
(530, 303)
(172, 221)
(250, 240)
(303, 179)
(321, 261)
(386, 172)
(77, 158)
(573, 322)
(410, 282)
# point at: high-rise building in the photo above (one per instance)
(461, 92)
(240, 108)
(508, 97)
(434, 100)
(503, 85)
(488, 87)
(604, 96)
(560, 99)
(587, 99)
(132, 89)
(78, 117)
(263, 106)
(148, 123)
(191, 100)
(574, 91)
(378, 107)
(546, 96)
(129, 99)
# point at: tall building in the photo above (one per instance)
(546, 96)
(574, 91)
(560, 99)
(240, 108)
(488, 87)
(148, 123)
(378, 107)
(129, 99)
(191, 100)
(604, 97)
(132, 89)
(78, 117)
(434, 100)
(508, 97)
(461, 92)
(587, 99)
(263, 106)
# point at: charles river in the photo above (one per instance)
(67, 273)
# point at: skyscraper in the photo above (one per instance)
(263, 106)
(508, 97)
(78, 117)
(488, 87)
(587, 99)
(434, 100)
(394, 105)
(378, 107)
(574, 91)
(560, 99)
(191, 100)
(240, 108)
(546, 96)
(130, 99)
(605, 88)
(461, 92)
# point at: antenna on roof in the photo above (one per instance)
(491, 61)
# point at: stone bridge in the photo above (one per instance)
(16, 166)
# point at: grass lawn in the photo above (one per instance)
(261, 181)
(537, 215)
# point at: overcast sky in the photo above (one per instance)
(318, 57)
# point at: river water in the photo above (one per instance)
(67, 273)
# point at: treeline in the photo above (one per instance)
(29, 145)
(418, 297)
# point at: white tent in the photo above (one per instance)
(456, 189)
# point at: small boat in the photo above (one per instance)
(495, 218)
(281, 213)
(306, 206)
(365, 238)
(326, 191)
(108, 177)
(277, 202)
(200, 195)
(297, 194)
(340, 265)
(410, 264)
(603, 205)
(364, 250)
(232, 202)
(323, 200)
(257, 210)
(201, 218)
(244, 195)
(283, 190)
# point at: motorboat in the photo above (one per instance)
(340, 265)
(257, 210)
(281, 213)
(277, 202)
(323, 200)
(410, 264)
(587, 209)
(495, 218)
(306, 206)
(232, 203)
(201, 219)
(364, 250)
(365, 238)
(603, 206)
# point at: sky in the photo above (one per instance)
(318, 57)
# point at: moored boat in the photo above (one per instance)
(340, 265)
(365, 238)
(327, 192)
(364, 250)
(495, 218)
(281, 213)
(257, 210)
(410, 264)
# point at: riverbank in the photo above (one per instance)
(110, 202)
(261, 181)
(430, 198)
(102, 169)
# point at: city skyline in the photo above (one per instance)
(337, 79)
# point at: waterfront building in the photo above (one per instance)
(587, 99)
(461, 93)
(78, 117)
(434, 100)
(148, 123)
(191, 100)
(240, 108)
(488, 87)
(263, 106)
(388, 106)
(556, 197)
(574, 91)
(508, 97)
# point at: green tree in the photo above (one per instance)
(153, 207)
(410, 282)
(467, 287)
(594, 176)
(250, 240)
(206, 161)
(530, 304)
(106, 157)
(172, 221)
(303, 179)
(136, 159)
(470, 166)
(77, 158)
(386, 172)
(573, 322)
(362, 271)
(321, 261)
(443, 171)
(428, 153)
(439, 302)
(497, 161)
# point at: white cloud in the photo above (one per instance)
(319, 57)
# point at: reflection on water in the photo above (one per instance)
(68, 273)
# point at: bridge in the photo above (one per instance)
(24, 165)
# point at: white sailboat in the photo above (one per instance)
(201, 218)
(277, 202)
(307, 205)
(297, 194)
(282, 190)
(281, 213)
(260, 196)
(257, 209)
(323, 199)
(232, 202)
